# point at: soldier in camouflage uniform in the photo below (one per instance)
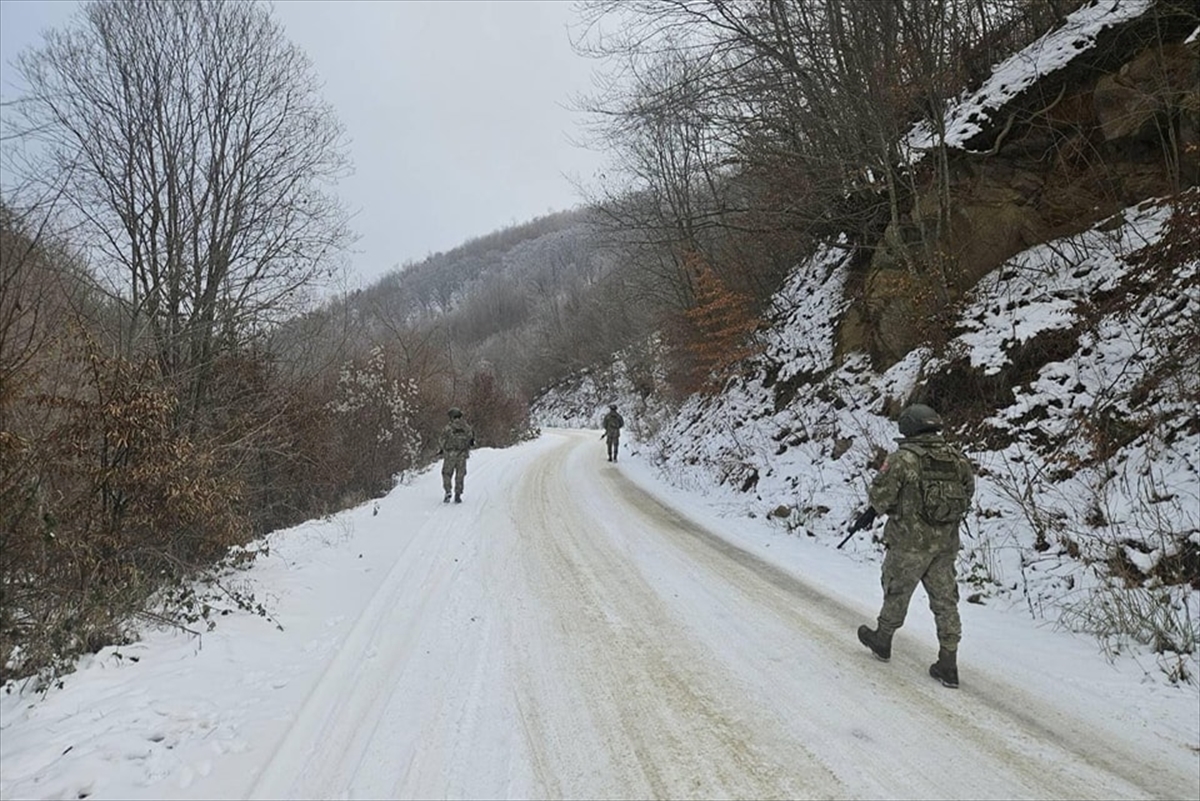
(612, 431)
(454, 445)
(925, 489)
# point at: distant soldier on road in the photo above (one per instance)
(454, 446)
(612, 431)
(925, 489)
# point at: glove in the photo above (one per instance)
(865, 519)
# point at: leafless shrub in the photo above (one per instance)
(1160, 618)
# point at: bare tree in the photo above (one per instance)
(197, 159)
(658, 127)
(786, 115)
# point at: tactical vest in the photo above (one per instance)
(944, 499)
(458, 438)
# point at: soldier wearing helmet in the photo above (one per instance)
(925, 489)
(454, 446)
(612, 431)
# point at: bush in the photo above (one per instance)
(103, 505)
(499, 418)
(1160, 618)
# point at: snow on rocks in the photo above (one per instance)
(1050, 286)
(1017, 73)
(1052, 506)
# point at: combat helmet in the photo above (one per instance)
(918, 419)
(454, 412)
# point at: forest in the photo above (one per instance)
(179, 373)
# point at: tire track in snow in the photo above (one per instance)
(659, 720)
(327, 740)
(1045, 748)
(603, 645)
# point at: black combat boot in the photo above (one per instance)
(446, 497)
(945, 669)
(880, 644)
(458, 498)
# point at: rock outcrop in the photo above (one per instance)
(1120, 123)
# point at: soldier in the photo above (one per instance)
(454, 445)
(925, 489)
(612, 431)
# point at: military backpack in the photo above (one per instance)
(459, 438)
(944, 499)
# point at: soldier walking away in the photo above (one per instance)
(454, 446)
(612, 431)
(925, 489)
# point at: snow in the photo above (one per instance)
(1053, 506)
(1051, 52)
(809, 305)
(1046, 287)
(681, 624)
(579, 629)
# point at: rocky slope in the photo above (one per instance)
(1065, 353)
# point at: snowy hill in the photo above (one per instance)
(1068, 527)
(1038, 286)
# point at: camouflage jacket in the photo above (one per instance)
(457, 437)
(896, 492)
(613, 423)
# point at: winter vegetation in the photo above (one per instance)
(1060, 344)
(818, 213)
(1087, 509)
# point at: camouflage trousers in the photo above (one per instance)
(454, 468)
(613, 439)
(902, 572)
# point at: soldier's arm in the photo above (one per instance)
(885, 489)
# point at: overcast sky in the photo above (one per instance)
(455, 111)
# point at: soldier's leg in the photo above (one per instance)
(616, 444)
(942, 586)
(902, 571)
(447, 472)
(460, 474)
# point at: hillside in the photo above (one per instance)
(1066, 360)
(532, 302)
(787, 248)
(226, 565)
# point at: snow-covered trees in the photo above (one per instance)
(374, 415)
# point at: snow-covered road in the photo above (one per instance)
(570, 631)
(564, 634)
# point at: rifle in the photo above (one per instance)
(864, 520)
